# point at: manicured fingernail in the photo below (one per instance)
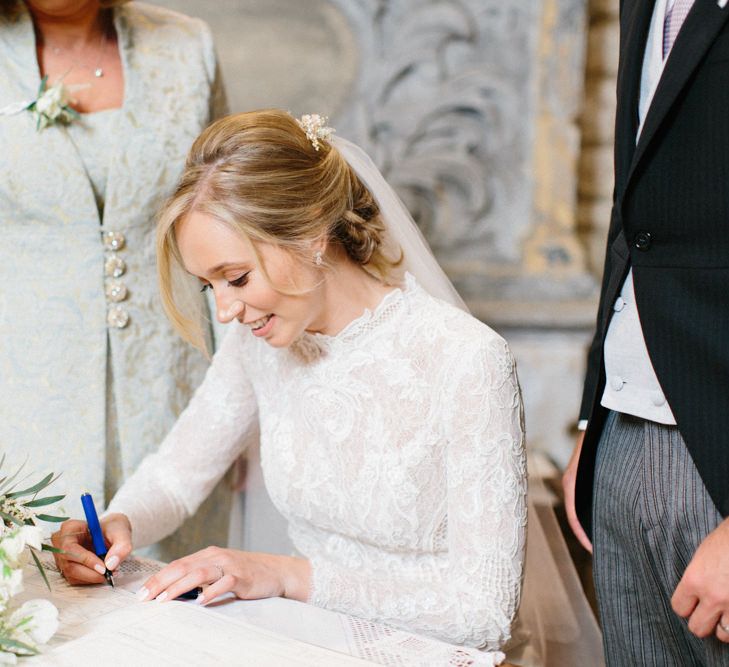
(200, 599)
(99, 568)
(142, 594)
(112, 562)
(162, 596)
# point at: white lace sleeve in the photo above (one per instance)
(211, 432)
(470, 594)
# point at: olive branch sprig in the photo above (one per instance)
(18, 507)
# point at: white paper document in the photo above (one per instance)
(373, 642)
(101, 625)
(104, 625)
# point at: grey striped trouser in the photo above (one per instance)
(650, 513)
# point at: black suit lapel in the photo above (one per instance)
(698, 32)
(635, 21)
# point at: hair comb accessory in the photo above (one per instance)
(316, 128)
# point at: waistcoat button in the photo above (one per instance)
(617, 383)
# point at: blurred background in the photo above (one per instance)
(493, 119)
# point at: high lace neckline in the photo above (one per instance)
(369, 318)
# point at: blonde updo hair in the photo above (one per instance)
(259, 174)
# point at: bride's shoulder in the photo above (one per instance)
(447, 325)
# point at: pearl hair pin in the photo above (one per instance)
(316, 128)
(318, 259)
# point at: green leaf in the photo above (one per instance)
(42, 86)
(40, 502)
(33, 489)
(39, 565)
(51, 519)
(54, 550)
(6, 642)
(11, 518)
(10, 479)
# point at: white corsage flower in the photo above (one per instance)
(52, 105)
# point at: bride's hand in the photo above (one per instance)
(249, 575)
(79, 564)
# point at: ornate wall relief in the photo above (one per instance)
(469, 107)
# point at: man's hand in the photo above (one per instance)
(702, 595)
(568, 484)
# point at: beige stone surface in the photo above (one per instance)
(604, 9)
(598, 123)
(551, 366)
(593, 221)
(603, 48)
(597, 171)
(295, 55)
(598, 111)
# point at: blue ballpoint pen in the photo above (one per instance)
(95, 529)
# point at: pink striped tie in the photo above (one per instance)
(674, 20)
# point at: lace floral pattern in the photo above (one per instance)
(395, 452)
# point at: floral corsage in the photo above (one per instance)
(50, 107)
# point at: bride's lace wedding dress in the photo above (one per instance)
(395, 451)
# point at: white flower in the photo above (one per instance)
(52, 101)
(11, 582)
(32, 536)
(34, 622)
(15, 508)
(8, 658)
(52, 104)
(14, 542)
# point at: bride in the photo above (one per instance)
(390, 420)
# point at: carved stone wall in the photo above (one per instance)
(473, 109)
(470, 109)
(598, 125)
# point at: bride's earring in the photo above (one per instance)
(317, 258)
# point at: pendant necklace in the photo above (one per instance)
(97, 70)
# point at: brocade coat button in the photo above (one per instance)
(114, 266)
(116, 291)
(113, 240)
(117, 317)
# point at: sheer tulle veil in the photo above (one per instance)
(555, 624)
(401, 228)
